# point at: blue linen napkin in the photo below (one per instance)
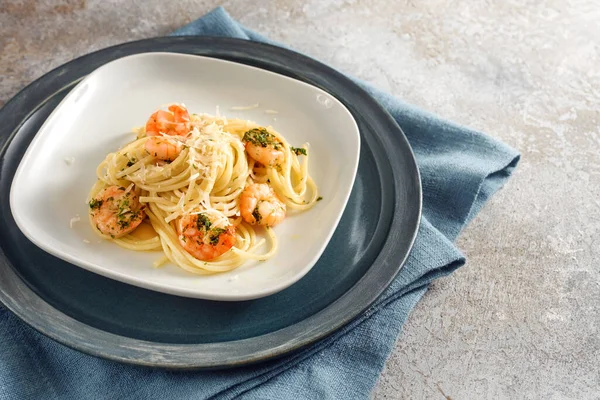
(460, 170)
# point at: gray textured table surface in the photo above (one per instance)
(521, 319)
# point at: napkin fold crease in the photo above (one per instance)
(460, 170)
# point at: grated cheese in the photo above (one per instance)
(73, 220)
(244, 108)
(173, 216)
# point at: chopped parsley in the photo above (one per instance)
(95, 204)
(215, 233)
(123, 208)
(319, 198)
(256, 215)
(203, 222)
(261, 137)
(131, 162)
(298, 150)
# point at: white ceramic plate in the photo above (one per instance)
(53, 179)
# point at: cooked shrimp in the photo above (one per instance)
(175, 122)
(116, 211)
(202, 239)
(162, 148)
(259, 204)
(263, 147)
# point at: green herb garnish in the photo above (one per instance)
(95, 204)
(261, 137)
(256, 215)
(298, 150)
(319, 198)
(203, 222)
(123, 208)
(215, 233)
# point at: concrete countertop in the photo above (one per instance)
(521, 319)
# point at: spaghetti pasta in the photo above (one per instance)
(178, 188)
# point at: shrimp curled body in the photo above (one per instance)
(116, 211)
(162, 148)
(174, 122)
(264, 147)
(199, 237)
(260, 205)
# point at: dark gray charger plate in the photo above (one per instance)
(113, 320)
